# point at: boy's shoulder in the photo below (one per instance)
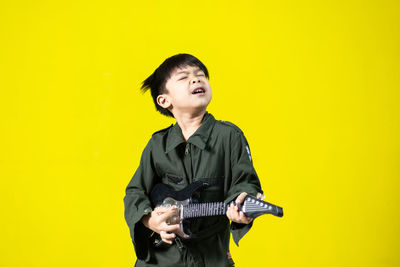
(163, 131)
(227, 125)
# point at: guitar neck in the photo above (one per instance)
(204, 209)
(251, 207)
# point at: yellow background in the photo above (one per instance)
(313, 84)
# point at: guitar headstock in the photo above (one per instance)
(253, 207)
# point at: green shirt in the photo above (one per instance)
(217, 153)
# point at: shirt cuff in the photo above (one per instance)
(140, 236)
(238, 230)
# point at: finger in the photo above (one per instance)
(240, 198)
(260, 196)
(168, 213)
(233, 213)
(229, 212)
(234, 206)
(170, 228)
(167, 237)
(162, 209)
(181, 233)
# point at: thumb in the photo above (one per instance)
(240, 198)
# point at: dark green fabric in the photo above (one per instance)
(216, 153)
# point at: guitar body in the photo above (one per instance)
(165, 196)
(188, 207)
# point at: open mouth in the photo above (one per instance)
(199, 90)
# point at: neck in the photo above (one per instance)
(189, 123)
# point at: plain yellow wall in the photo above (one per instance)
(313, 84)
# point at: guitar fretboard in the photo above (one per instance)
(204, 209)
(251, 207)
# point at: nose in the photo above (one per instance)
(194, 80)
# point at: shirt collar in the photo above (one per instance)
(198, 138)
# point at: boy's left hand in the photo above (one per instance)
(233, 213)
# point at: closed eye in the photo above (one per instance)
(182, 78)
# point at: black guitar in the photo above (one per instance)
(163, 195)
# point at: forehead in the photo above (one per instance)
(184, 69)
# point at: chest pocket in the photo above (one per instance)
(214, 191)
(175, 181)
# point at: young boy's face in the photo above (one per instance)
(188, 91)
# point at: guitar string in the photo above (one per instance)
(217, 208)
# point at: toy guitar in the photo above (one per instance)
(163, 195)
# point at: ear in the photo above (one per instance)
(163, 101)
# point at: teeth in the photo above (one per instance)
(198, 91)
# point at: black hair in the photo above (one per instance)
(156, 81)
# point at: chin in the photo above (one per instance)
(205, 105)
(200, 109)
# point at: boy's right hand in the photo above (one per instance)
(156, 221)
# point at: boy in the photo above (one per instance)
(196, 148)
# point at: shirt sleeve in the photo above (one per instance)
(137, 203)
(244, 179)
